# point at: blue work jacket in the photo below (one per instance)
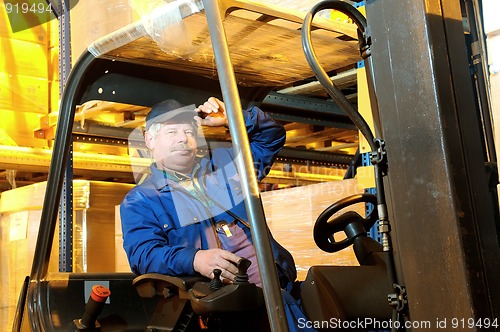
(164, 225)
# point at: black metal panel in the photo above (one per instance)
(65, 296)
(444, 230)
(141, 85)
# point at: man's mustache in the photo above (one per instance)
(181, 147)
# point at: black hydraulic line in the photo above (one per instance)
(378, 150)
(48, 219)
(378, 157)
(375, 145)
(320, 73)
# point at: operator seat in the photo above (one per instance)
(195, 303)
(347, 292)
(173, 311)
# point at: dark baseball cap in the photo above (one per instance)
(171, 110)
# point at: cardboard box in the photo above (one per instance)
(94, 208)
(24, 93)
(36, 34)
(17, 243)
(20, 211)
(19, 126)
(121, 260)
(106, 16)
(23, 58)
(291, 214)
(53, 64)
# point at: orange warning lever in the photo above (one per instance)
(93, 308)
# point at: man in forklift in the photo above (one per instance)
(189, 216)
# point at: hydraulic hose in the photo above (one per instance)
(320, 73)
(377, 146)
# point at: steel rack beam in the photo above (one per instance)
(306, 110)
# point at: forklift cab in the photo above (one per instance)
(235, 57)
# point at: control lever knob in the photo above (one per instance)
(242, 276)
(94, 306)
(216, 282)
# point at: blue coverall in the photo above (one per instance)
(164, 225)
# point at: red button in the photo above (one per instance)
(99, 293)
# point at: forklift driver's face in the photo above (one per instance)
(174, 147)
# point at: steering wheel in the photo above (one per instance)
(325, 229)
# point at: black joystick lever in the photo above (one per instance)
(241, 275)
(216, 282)
(93, 308)
(239, 296)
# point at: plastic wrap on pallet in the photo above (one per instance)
(116, 39)
(161, 21)
(164, 23)
(303, 5)
(264, 52)
(291, 215)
